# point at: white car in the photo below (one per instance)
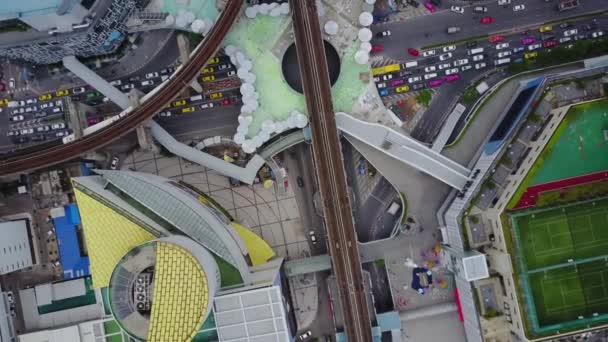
(207, 105)
(116, 82)
(27, 131)
(164, 114)
(61, 134)
(477, 58)
(569, 33)
(43, 129)
(376, 79)
(449, 48)
(429, 76)
(444, 66)
(445, 56)
(77, 91)
(31, 109)
(502, 46)
(428, 53)
(147, 83)
(451, 71)
(504, 54)
(313, 237)
(480, 66)
(533, 47)
(60, 125)
(18, 118)
(231, 73)
(387, 77)
(564, 40)
(151, 75)
(114, 163)
(503, 2)
(457, 9)
(31, 101)
(305, 335)
(57, 109)
(518, 8)
(465, 68)
(461, 62)
(381, 85)
(597, 34)
(46, 105)
(414, 79)
(430, 68)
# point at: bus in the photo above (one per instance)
(386, 69)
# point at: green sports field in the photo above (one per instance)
(553, 236)
(563, 253)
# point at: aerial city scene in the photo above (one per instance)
(303, 170)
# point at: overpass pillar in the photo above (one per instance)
(144, 135)
(184, 54)
(90, 77)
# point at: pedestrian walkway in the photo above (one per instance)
(405, 149)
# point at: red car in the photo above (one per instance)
(94, 120)
(413, 52)
(377, 48)
(487, 20)
(497, 38)
(430, 7)
(550, 43)
(226, 102)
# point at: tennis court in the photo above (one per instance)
(563, 259)
(556, 235)
(567, 293)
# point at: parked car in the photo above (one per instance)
(60, 125)
(480, 9)
(300, 182)
(502, 46)
(414, 79)
(461, 62)
(480, 66)
(152, 75)
(430, 68)
(429, 6)
(451, 71)
(377, 48)
(114, 163)
(519, 8)
(445, 56)
(452, 78)
(78, 90)
(449, 48)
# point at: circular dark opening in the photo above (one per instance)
(291, 70)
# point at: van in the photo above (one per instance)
(412, 64)
(475, 51)
(453, 29)
(502, 61)
(196, 98)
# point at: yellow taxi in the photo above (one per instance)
(530, 55)
(402, 89)
(3, 102)
(188, 110)
(208, 70)
(214, 60)
(208, 78)
(45, 97)
(545, 28)
(64, 92)
(216, 96)
(179, 103)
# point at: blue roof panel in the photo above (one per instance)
(73, 263)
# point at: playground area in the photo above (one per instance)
(562, 255)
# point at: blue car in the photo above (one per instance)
(384, 92)
(518, 60)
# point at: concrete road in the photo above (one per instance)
(430, 30)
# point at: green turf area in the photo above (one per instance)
(553, 236)
(580, 146)
(565, 294)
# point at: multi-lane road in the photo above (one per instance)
(432, 29)
(327, 156)
(142, 113)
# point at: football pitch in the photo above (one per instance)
(564, 256)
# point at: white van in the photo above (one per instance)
(475, 51)
(196, 98)
(502, 61)
(412, 64)
(429, 76)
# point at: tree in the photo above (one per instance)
(424, 97)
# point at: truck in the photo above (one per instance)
(453, 29)
(196, 98)
(475, 51)
(393, 209)
(565, 5)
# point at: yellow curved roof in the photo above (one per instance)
(108, 235)
(259, 251)
(181, 295)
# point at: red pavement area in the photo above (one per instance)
(529, 198)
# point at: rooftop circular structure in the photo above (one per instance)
(291, 69)
(163, 290)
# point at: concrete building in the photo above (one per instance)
(167, 264)
(15, 246)
(45, 31)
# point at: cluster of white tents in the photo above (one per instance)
(365, 34)
(251, 104)
(273, 9)
(188, 20)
